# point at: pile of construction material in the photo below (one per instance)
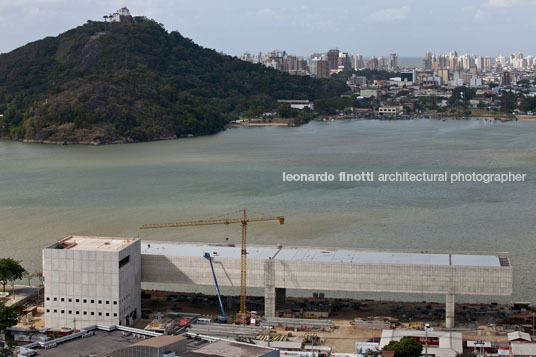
(298, 324)
(271, 335)
(226, 331)
(372, 325)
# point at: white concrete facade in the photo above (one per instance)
(479, 274)
(97, 280)
(92, 280)
(447, 273)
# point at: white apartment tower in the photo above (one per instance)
(92, 280)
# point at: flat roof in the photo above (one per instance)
(100, 344)
(330, 255)
(160, 341)
(93, 243)
(229, 349)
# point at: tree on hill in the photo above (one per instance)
(10, 270)
(406, 347)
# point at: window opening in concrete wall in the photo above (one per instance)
(124, 261)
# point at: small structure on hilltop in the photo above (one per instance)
(122, 15)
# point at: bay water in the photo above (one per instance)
(48, 192)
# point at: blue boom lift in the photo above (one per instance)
(223, 318)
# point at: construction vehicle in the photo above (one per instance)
(223, 318)
(244, 220)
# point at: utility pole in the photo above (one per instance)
(426, 327)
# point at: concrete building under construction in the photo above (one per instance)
(92, 281)
(279, 268)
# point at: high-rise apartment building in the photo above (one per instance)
(501, 60)
(428, 62)
(357, 62)
(505, 79)
(333, 59)
(372, 63)
(382, 63)
(487, 64)
(345, 63)
(322, 69)
(393, 61)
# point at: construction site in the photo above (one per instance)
(316, 324)
(96, 281)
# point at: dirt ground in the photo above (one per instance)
(344, 336)
(475, 321)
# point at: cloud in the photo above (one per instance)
(508, 3)
(390, 15)
(266, 12)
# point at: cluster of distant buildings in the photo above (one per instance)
(454, 62)
(475, 71)
(437, 70)
(321, 65)
(402, 93)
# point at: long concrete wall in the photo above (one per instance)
(400, 278)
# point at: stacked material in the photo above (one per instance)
(373, 325)
(299, 324)
(271, 335)
(225, 331)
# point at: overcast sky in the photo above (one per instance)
(368, 27)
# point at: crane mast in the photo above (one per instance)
(244, 220)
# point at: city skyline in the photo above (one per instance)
(409, 28)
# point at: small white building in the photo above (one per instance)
(391, 110)
(92, 281)
(523, 349)
(478, 345)
(298, 103)
(364, 348)
(116, 16)
(440, 344)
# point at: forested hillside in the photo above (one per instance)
(136, 82)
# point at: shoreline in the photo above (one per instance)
(279, 124)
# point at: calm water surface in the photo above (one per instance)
(48, 192)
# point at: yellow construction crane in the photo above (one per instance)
(244, 220)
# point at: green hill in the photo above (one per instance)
(137, 82)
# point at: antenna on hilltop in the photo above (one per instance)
(105, 20)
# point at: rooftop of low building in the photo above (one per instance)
(93, 243)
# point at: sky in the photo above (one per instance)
(301, 27)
